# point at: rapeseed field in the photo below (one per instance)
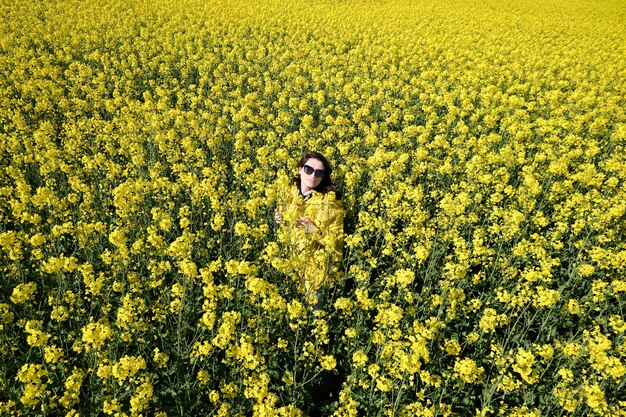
(481, 150)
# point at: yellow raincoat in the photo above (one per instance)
(315, 257)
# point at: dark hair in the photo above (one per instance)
(326, 184)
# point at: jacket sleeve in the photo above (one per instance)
(329, 220)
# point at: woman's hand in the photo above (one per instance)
(278, 216)
(307, 224)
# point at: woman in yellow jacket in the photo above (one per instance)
(311, 216)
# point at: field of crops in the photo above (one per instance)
(481, 149)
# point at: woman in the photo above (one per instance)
(311, 215)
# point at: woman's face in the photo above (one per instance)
(312, 173)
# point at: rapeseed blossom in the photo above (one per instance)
(468, 371)
(143, 149)
(95, 335)
(23, 292)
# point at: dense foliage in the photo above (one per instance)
(481, 150)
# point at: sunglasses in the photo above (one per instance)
(319, 173)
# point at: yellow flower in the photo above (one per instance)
(618, 285)
(468, 371)
(160, 359)
(203, 376)
(599, 289)
(328, 362)
(52, 354)
(33, 377)
(586, 270)
(188, 268)
(508, 383)
(241, 229)
(95, 335)
(141, 399)
(572, 349)
(617, 324)
(546, 297)
(127, 367)
(226, 329)
(72, 388)
(344, 305)
(110, 406)
(23, 292)
(404, 277)
(489, 320)
(452, 347)
(214, 396)
(351, 333)
(390, 316)
(595, 398)
(524, 411)
(35, 336)
(472, 338)
(383, 384)
(295, 309)
(546, 352)
(38, 239)
(523, 365)
(573, 307)
(359, 358)
(288, 378)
